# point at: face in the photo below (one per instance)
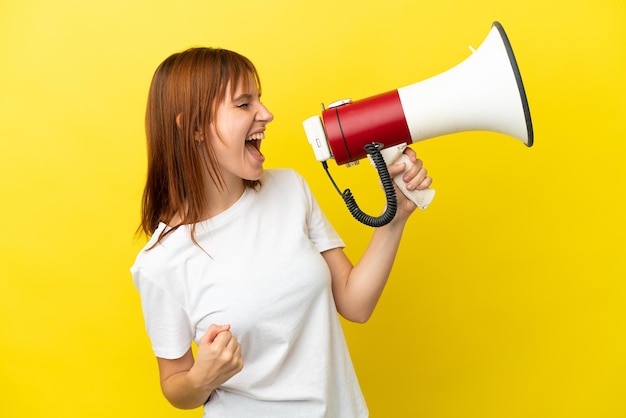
(241, 121)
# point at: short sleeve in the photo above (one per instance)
(321, 232)
(167, 323)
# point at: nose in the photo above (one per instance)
(264, 114)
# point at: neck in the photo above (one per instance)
(222, 198)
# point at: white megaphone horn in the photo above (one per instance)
(483, 93)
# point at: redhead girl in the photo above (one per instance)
(242, 261)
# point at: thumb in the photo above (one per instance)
(213, 332)
(398, 167)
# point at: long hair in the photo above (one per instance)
(184, 94)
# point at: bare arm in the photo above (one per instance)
(188, 383)
(358, 288)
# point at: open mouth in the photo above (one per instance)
(253, 144)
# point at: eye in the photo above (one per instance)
(243, 105)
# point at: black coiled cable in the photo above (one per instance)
(392, 204)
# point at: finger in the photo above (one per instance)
(237, 360)
(425, 184)
(239, 356)
(413, 171)
(212, 333)
(236, 349)
(396, 168)
(410, 152)
(223, 338)
(231, 352)
(417, 181)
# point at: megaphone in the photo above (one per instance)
(483, 93)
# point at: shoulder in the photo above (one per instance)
(156, 262)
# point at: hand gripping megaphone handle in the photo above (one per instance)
(394, 155)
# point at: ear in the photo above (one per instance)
(198, 136)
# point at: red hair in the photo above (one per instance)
(184, 94)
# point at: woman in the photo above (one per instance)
(242, 261)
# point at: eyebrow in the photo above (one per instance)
(244, 96)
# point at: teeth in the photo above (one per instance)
(255, 137)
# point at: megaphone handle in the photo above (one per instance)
(395, 154)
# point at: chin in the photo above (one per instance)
(254, 177)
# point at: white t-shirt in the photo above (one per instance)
(264, 275)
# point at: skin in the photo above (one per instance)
(187, 382)
(241, 117)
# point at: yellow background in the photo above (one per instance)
(508, 297)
